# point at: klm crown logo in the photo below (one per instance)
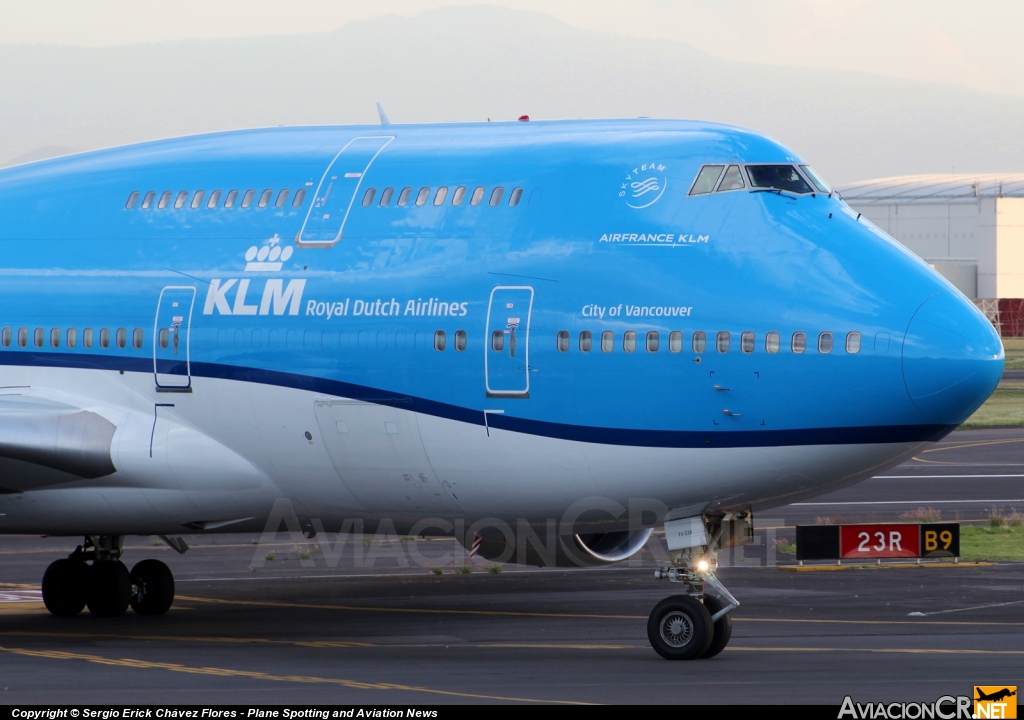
(268, 258)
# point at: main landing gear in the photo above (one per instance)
(694, 624)
(106, 586)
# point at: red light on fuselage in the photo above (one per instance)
(524, 118)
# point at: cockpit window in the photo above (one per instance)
(706, 179)
(733, 179)
(779, 177)
(815, 179)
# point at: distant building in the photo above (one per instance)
(970, 228)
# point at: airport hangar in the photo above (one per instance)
(970, 228)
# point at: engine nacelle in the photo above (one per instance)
(525, 546)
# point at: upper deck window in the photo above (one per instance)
(815, 179)
(131, 200)
(165, 198)
(229, 201)
(733, 179)
(265, 198)
(214, 199)
(300, 195)
(403, 197)
(440, 195)
(179, 202)
(478, 195)
(779, 177)
(496, 195)
(368, 196)
(706, 180)
(385, 196)
(282, 198)
(247, 198)
(197, 199)
(513, 199)
(421, 196)
(459, 196)
(147, 201)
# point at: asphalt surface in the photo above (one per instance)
(360, 623)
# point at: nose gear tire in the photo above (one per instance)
(680, 628)
(723, 627)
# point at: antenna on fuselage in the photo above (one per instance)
(383, 115)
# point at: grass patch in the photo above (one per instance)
(1014, 348)
(1004, 409)
(270, 556)
(978, 542)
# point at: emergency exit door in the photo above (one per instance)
(507, 345)
(171, 364)
(338, 190)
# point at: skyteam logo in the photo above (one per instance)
(644, 185)
(271, 257)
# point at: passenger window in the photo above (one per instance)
(747, 341)
(121, 337)
(496, 195)
(385, 197)
(513, 199)
(5, 337)
(247, 198)
(282, 198)
(87, 338)
(440, 195)
(104, 338)
(214, 200)
(853, 343)
(440, 341)
(478, 195)
(722, 342)
(675, 341)
(706, 180)
(300, 196)
(403, 197)
(72, 338)
(197, 199)
(137, 338)
(265, 198)
(165, 199)
(229, 201)
(147, 201)
(497, 341)
(55, 337)
(562, 341)
(459, 196)
(38, 336)
(607, 341)
(700, 341)
(421, 196)
(825, 343)
(771, 342)
(629, 341)
(733, 179)
(368, 196)
(179, 202)
(586, 341)
(460, 340)
(779, 177)
(163, 338)
(799, 342)
(23, 337)
(653, 341)
(132, 199)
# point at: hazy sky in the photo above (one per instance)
(976, 44)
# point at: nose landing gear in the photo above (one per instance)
(106, 586)
(692, 625)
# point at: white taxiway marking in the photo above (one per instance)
(20, 596)
(976, 607)
(909, 502)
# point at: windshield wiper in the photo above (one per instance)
(777, 191)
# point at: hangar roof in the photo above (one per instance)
(939, 188)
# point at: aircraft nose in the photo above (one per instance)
(952, 358)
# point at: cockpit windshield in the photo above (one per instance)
(815, 179)
(779, 177)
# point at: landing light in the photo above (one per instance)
(702, 565)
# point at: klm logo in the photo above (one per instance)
(233, 297)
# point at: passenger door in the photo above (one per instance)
(338, 190)
(171, 361)
(507, 344)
